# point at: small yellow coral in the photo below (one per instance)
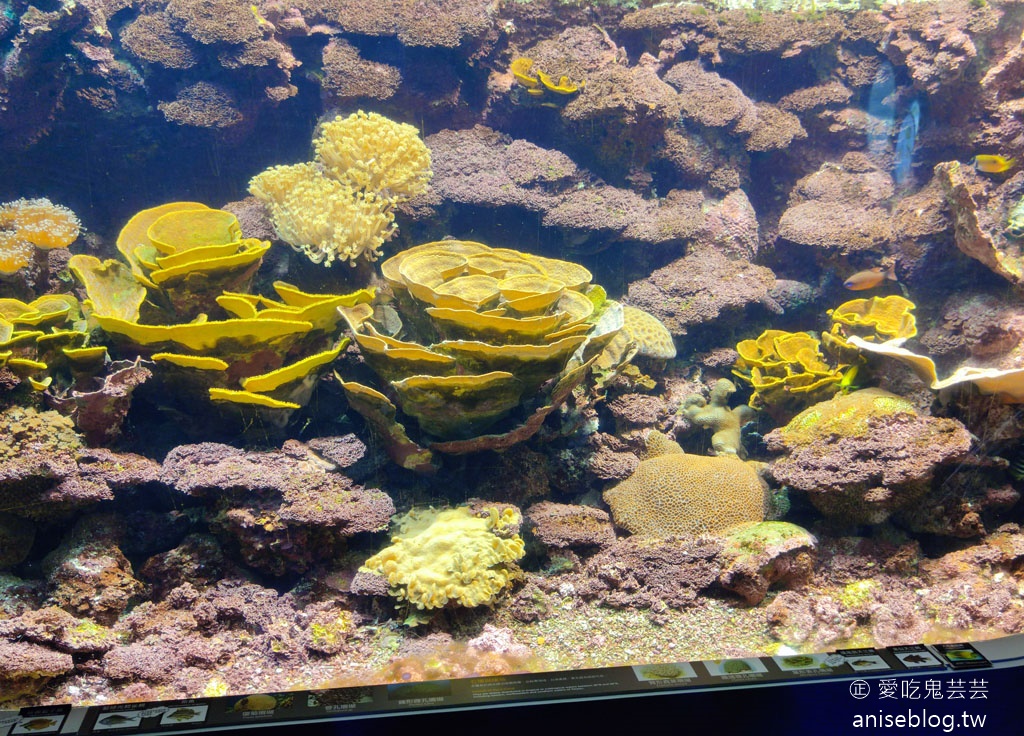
(27, 224)
(323, 217)
(786, 368)
(454, 556)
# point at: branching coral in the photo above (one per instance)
(716, 415)
(339, 207)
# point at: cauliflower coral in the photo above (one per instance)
(339, 207)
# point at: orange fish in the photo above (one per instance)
(993, 164)
(870, 278)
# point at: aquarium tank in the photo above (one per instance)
(352, 342)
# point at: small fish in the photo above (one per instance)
(116, 720)
(917, 659)
(38, 724)
(182, 714)
(870, 278)
(256, 702)
(846, 383)
(993, 164)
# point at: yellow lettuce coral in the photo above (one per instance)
(453, 556)
(786, 368)
(878, 319)
(339, 207)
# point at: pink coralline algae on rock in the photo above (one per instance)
(482, 167)
(861, 457)
(702, 288)
(840, 208)
(636, 573)
(89, 575)
(562, 526)
(203, 105)
(283, 509)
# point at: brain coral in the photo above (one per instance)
(672, 493)
(459, 555)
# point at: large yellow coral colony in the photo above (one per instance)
(485, 332)
(183, 257)
(340, 206)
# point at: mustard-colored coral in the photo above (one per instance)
(454, 556)
(339, 207)
(503, 336)
(674, 493)
(537, 82)
(652, 338)
(878, 319)
(786, 369)
(30, 224)
(852, 415)
(267, 353)
(716, 415)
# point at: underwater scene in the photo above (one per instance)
(348, 342)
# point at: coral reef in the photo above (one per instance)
(720, 171)
(282, 510)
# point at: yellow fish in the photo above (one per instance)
(870, 278)
(993, 164)
(256, 702)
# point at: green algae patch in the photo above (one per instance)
(849, 416)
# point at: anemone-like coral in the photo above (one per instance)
(29, 225)
(339, 207)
